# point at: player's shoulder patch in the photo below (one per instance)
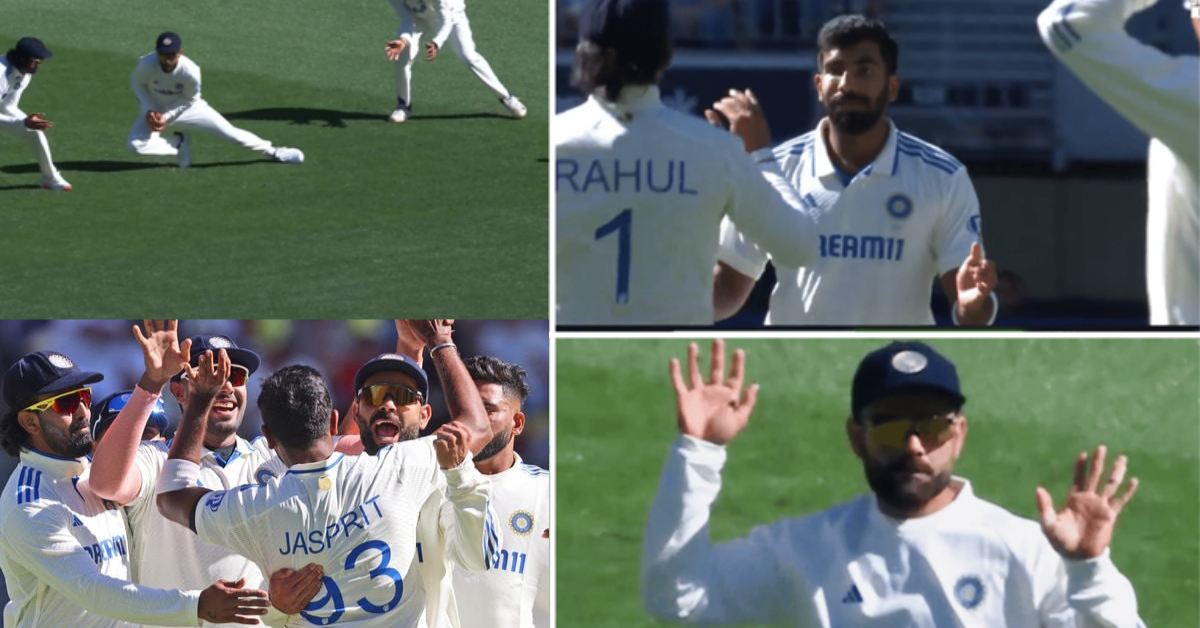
(927, 154)
(969, 591)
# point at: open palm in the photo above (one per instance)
(1084, 527)
(161, 351)
(719, 410)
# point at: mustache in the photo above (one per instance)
(384, 414)
(908, 465)
(851, 98)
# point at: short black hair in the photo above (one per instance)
(295, 405)
(12, 436)
(845, 31)
(488, 369)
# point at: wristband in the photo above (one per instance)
(177, 475)
(995, 309)
(442, 346)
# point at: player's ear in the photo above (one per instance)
(426, 414)
(857, 436)
(960, 436)
(893, 87)
(29, 421)
(817, 76)
(333, 422)
(518, 424)
(266, 432)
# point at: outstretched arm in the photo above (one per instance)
(177, 492)
(462, 397)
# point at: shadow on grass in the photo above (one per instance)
(120, 166)
(5, 188)
(337, 119)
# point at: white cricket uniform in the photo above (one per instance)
(447, 21)
(167, 554)
(1161, 96)
(971, 564)
(515, 592)
(885, 235)
(12, 84)
(356, 516)
(65, 555)
(176, 95)
(640, 192)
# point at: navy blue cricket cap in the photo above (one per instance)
(237, 355)
(33, 48)
(107, 409)
(634, 28)
(393, 362)
(903, 367)
(168, 43)
(42, 372)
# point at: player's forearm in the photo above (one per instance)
(126, 601)
(468, 520)
(114, 475)
(170, 115)
(730, 290)
(443, 32)
(462, 397)
(11, 119)
(981, 316)
(189, 436)
(1100, 595)
(775, 217)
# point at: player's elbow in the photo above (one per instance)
(168, 505)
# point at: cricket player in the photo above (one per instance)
(16, 71)
(64, 550)
(354, 515)
(896, 213)
(1159, 95)
(515, 592)
(167, 87)
(105, 411)
(641, 189)
(445, 20)
(919, 551)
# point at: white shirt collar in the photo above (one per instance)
(883, 165)
(55, 466)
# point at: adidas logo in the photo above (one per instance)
(853, 597)
(75, 522)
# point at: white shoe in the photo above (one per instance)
(286, 155)
(400, 114)
(185, 150)
(515, 106)
(56, 184)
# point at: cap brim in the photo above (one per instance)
(68, 382)
(380, 366)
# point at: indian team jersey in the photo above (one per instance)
(12, 84)
(354, 515)
(166, 554)
(1159, 95)
(65, 554)
(640, 192)
(971, 564)
(515, 592)
(169, 93)
(884, 235)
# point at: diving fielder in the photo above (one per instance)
(17, 68)
(167, 87)
(1161, 96)
(919, 551)
(446, 20)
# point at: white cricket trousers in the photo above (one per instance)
(199, 117)
(37, 141)
(464, 46)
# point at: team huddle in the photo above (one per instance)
(318, 521)
(167, 87)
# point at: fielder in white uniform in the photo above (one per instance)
(63, 550)
(446, 20)
(895, 213)
(1161, 96)
(167, 87)
(641, 189)
(17, 68)
(920, 551)
(515, 592)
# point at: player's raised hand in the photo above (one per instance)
(37, 122)
(975, 280)
(226, 602)
(393, 49)
(740, 113)
(290, 590)
(431, 50)
(432, 332)
(162, 352)
(450, 443)
(1084, 527)
(210, 375)
(408, 342)
(718, 410)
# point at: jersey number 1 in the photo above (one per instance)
(622, 225)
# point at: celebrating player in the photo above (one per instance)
(1158, 94)
(641, 189)
(63, 549)
(515, 592)
(895, 212)
(447, 20)
(921, 550)
(16, 71)
(167, 87)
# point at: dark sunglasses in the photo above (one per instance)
(65, 403)
(376, 394)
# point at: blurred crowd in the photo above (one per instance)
(336, 348)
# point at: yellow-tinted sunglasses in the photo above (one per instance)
(65, 403)
(892, 432)
(376, 394)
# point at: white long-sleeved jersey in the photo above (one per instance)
(169, 93)
(640, 193)
(436, 16)
(12, 84)
(971, 564)
(65, 556)
(1160, 95)
(515, 592)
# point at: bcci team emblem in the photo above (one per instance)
(61, 361)
(263, 476)
(969, 591)
(167, 41)
(521, 522)
(219, 342)
(909, 362)
(899, 206)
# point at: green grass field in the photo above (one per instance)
(445, 213)
(1032, 405)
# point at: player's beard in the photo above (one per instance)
(372, 445)
(857, 122)
(68, 443)
(496, 445)
(895, 484)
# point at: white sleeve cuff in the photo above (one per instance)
(177, 475)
